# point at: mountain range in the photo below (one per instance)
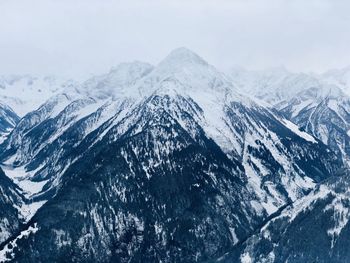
(176, 162)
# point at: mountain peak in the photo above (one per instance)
(181, 56)
(185, 72)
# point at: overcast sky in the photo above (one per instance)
(83, 37)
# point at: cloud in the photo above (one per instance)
(82, 37)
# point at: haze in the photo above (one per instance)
(84, 37)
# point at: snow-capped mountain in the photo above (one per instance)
(325, 115)
(318, 104)
(24, 93)
(167, 163)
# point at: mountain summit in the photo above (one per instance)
(182, 56)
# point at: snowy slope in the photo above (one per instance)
(313, 229)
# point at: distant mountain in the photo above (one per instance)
(272, 86)
(317, 104)
(326, 116)
(338, 77)
(154, 164)
(24, 93)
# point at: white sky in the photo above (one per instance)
(83, 37)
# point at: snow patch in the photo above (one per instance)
(301, 106)
(7, 253)
(245, 258)
(22, 178)
(294, 128)
(29, 188)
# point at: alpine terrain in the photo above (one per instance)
(176, 162)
